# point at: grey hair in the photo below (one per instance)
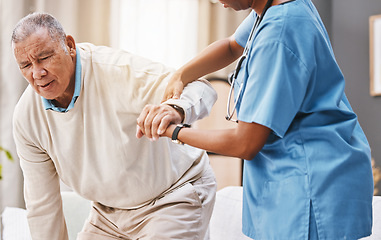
(35, 21)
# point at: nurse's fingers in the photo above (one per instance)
(174, 89)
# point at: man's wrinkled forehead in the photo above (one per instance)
(35, 41)
(20, 48)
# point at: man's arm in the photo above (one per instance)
(41, 189)
(196, 101)
(43, 201)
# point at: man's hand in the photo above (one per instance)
(155, 119)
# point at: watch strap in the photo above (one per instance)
(176, 133)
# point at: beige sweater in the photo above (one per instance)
(92, 148)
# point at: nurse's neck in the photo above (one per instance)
(259, 5)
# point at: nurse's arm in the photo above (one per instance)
(244, 141)
(214, 57)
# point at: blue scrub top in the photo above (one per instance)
(317, 157)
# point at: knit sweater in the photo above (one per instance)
(92, 148)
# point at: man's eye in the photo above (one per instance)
(24, 66)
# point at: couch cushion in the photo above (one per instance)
(376, 229)
(226, 222)
(14, 224)
(76, 210)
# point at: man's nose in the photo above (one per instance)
(38, 71)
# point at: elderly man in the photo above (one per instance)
(77, 122)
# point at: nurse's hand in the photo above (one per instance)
(174, 88)
(154, 120)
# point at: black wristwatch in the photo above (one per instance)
(176, 133)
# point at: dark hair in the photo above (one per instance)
(35, 21)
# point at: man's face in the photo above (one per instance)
(45, 64)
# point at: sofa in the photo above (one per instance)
(224, 224)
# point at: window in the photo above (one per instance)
(162, 30)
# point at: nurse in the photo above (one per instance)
(307, 168)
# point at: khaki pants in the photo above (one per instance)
(183, 213)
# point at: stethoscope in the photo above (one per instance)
(233, 76)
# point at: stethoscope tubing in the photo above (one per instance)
(234, 75)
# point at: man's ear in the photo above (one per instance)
(70, 42)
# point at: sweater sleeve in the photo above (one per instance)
(197, 100)
(41, 190)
